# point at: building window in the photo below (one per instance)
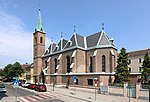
(55, 61)
(90, 81)
(103, 63)
(68, 64)
(129, 61)
(72, 60)
(76, 82)
(41, 39)
(58, 62)
(91, 64)
(45, 63)
(35, 40)
(140, 69)
(129, 69)
(140, 60)
(35, 52)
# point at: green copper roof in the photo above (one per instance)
(39, 23)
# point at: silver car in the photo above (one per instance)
(2, 88)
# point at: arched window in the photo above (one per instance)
(45, 63)
(55, 61)
(35, 40)
(68, 64)
(103, 63)
(91, 64)
(41, 39)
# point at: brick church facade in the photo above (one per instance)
(80, 57)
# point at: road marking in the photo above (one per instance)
(30, 99)
(23, 99)
(37, 97)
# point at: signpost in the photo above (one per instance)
(149, 86)
(129, 88)
(75, 81)
(15, 84)
(95, 84)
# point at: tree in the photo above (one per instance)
(1, 72)
(122, 69)
(145, 69)
(7, 72)
(17, 69)
(14, 70)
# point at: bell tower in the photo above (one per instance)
(38, 48)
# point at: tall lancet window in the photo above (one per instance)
(68, 64)
(41, 39)
(103, 63)
(35, 40)
(91, 64)
(55, 60)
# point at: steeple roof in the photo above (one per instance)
(39, 26)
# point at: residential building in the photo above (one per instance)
(27, 76)
(136, 59)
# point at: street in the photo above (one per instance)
(27, 95)
(65, 95)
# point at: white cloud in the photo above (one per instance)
(15, 40)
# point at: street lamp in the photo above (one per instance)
(149, 86)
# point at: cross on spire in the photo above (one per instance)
(61, 34)
(74, 28)
(102, 26)
(51, 39)
(39, 26)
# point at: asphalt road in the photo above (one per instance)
(13, 91)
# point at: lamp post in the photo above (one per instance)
(149, 86)
(129, 88)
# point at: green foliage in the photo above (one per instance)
(146, 69)
(1, 72)
(14, 70)
(122, 69)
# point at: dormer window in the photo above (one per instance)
(57, 47)
(70, 43)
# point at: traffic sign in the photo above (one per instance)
(16, 83)
(75, 79)
(95, 81)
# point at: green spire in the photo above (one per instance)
(39, 23)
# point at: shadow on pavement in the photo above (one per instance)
(3, 95)
(55, 100)
(143, 98)
(115, 94)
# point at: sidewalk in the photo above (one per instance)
(88, 95)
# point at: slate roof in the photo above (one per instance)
(99, 39)
(60, 45)
(50, 49)
(80, 41)
(93, 39)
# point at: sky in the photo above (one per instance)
(127, 21)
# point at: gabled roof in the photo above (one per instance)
(139, 52)
(72, 42)
(80, 41)
(97, 40)
(60, 45)
(50, 48)
(93, 39)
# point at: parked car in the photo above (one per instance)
(41, 87)
(2, 88)
(32, 86)
(25, 85)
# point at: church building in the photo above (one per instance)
(77, 60)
